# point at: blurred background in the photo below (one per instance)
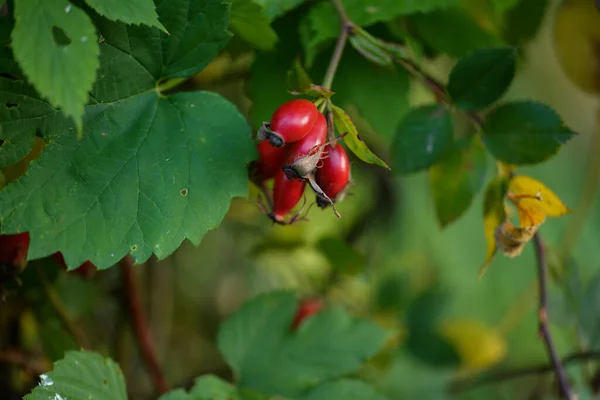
(388, 251)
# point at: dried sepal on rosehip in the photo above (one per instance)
(303, 156)
(333, 175)
(290, 122)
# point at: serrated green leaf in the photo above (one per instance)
(524, 132)
(423, 136)
(276, 8)
(482, 77)
(319, 28)
(457, 178)
(130, 12)
(150, 170)
(344, 124)
(59, 56)
(341, 256)
(452, 31)
(347, 389)
(81, 375)
(588, 315)
(248, 22)
(206, 387)
(257, 343)
(14, 144)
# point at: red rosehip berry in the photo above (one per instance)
(286, 194)
(334, 173)
(303, 156)
(306, 309)
(270, 161)
(292, 121)
(13, 248)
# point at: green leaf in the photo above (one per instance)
(482, 77)
(524, 132)
(370, 51)
(150, 170)
(321, 25)
(457, 178)
(589, 312)
(15, 145)
(423, 136)
(267, 357)
(300, 83)
(453, 32)
(344, 124)
(81, 375)
(59, 56)
(276, 8)
(206, 387)
(522, 22)
(347, 389)
(501, 6)
(341, 256)
(392, 291)
(130, 12)
(248, 22)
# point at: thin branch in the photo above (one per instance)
(471, 383)
(61, 311)
(139, 322)
(543, 318)
(345, 26)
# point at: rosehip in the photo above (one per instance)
(286, 194)
(291, 122)
(306, 309)
(303, 156)
(270, 161)
(85, 270)
(334, 174)
(13, 248)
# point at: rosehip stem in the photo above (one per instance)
(345, 26)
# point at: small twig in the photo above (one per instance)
(468, 384)
(139, 321)
(345, 26)
(61, 311)
(543, 318)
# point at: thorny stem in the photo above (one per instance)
(345, 26)
(468, 384)
(540, 254)
(61, 311)
(139, 322)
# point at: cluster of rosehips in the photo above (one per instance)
(295, 150)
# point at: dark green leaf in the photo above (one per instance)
(341, 256)
(130, 11)
(453, 32)
(457, 178)
(370, 51)
(433, 349)
(522, 22)
(276, 8)
(424, 134)
(150, 170)
(344, 124)
(81, 375)
(248, 22)
(14, 144)
(426, 310)
(392, 292)
(206, 387)
(524, 132)
(64, 38)
(504, 5)
(257, 344)
(346, 389)
(482, 77)
(589, 314)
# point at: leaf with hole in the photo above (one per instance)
(524, 132)
(257, 343)
(130, 12)
(423, 135)
(344, 124)
(457, 178)
(482, 77)
(151, 170)
(65, 38)
(81, 375)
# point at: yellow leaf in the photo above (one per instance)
(493, 216)
(534, 198)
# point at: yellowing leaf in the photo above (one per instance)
(533, 197)
(479, 346)
(493, 216)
